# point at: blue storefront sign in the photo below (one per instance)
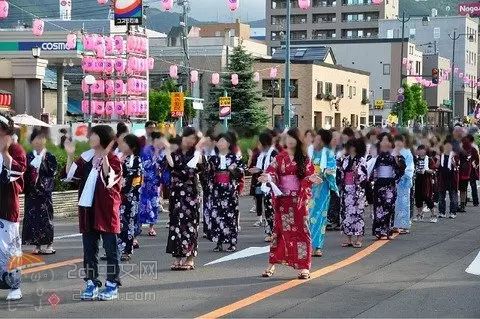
(45, 46)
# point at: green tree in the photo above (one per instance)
(421, 105)
(160, 103)
(414, 105)
(249, 117)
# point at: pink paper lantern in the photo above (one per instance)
(404, 61)
(256, 77)
(98, 65)
(174, 71)
(109, 45)
(144, 44)
(273, 73)
(120, 65)
(85, 107)
(167, 5)
(215, 78)
(102, 2)
(84, 86)
(99, 86)
(377, 2)
(131, 44)
(100, 50)
(118, 43)
(131, 107)
(109, 66)
(233, 4)
(109, 87)
(151, 63)
(456, 70)
(131, 86)
(99, 107)
(109, 107)
(71, 41)
(234, 79)
(38, 27)
(460, 75)
(193, 76)
(119, 108)
(3, 9)
(304, 4)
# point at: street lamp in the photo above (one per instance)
(89, 81)
(36, 51)
(454, 38)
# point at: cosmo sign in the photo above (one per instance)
(46, 46)
(472, 9)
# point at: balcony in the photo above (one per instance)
(323, 34)
(324, 3)
(282, 4)
(357, 3)
(324, 18)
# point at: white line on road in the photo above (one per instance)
(252, 251)
(474, 267)
(67, 236)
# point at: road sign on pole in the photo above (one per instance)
(177, 104)
(225, 103)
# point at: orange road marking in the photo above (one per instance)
(52, 266)
(223, 311)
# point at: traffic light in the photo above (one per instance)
(435, 76)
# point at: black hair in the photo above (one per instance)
(177, 140)
(349, 132)
(399, 138)
(210, 133)
(326, 136)
(6, 124)
(63, 131)
(300, 157)
(448, 139)
(156, 135)
(233, 136)
(150, 123)
(227, 137)
(470, 138)
(360, 147)
(265, 139)
(37, 131)
(421, 147)
(133, 143)
(312, 132)
(105, 133)
(388, 136)
(122, 128)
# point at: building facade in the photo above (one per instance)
(327, 19)
(324, 95)
(436, 35)
(381, 58)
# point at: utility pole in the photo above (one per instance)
(186, 56)
(286, 107)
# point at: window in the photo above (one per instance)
(293, 88)
(328, 122)
(350, 92)
(340, 91)
(267, 89)
(364, 95)
(328, 88)
(319, 87)
(386, 69)
(386, 94)
(436, 33)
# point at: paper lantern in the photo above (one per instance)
(102, 2)
(130, 44)
(193, 76)
(460, 75)
(84, 86)
(109, 66)
(404, 61)
(109, 45)
(85, 107)
(456, 70)
(100, 50)
(109, 87)
(304, 4)
(174, 71)
(3, 9)
(109, 107)
(98, 65)
(118, 43)
(215, 78)
(71, 41)
(234, 79)
(151, 63)
(99, 107)
(120, 65)
(273, 73)
(233, 4)
(256, 77)
(167, 5)
(377, 2)
(99, 86)
(131, 107)
(119, 108)
(131, 86)
(38, 27)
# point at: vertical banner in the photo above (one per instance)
(177, 104)
(225, 104)
(128, 12)
(65, 10)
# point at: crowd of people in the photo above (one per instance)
(302, 186)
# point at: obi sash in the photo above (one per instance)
(222, 177)
(349, 178)
(385, 172)
(289, 184)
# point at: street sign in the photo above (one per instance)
(225, 105)
(128, 12)
(379, 104)
(177, 104)
(197, 105)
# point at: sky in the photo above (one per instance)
(217, 10)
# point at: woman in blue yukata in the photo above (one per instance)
(325, 165)
(402, 222)
(153, 161)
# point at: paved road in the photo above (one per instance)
(420, 275)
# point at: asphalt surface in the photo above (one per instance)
(418, 275)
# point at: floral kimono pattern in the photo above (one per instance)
(132, 183)
(184, 207)
(39, 185)
(320, 201)
(353, 176)
(153, 165)
(222, 226)
(385, 192)
(291, 242)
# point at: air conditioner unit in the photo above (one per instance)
(304, 20)
(303, 36)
